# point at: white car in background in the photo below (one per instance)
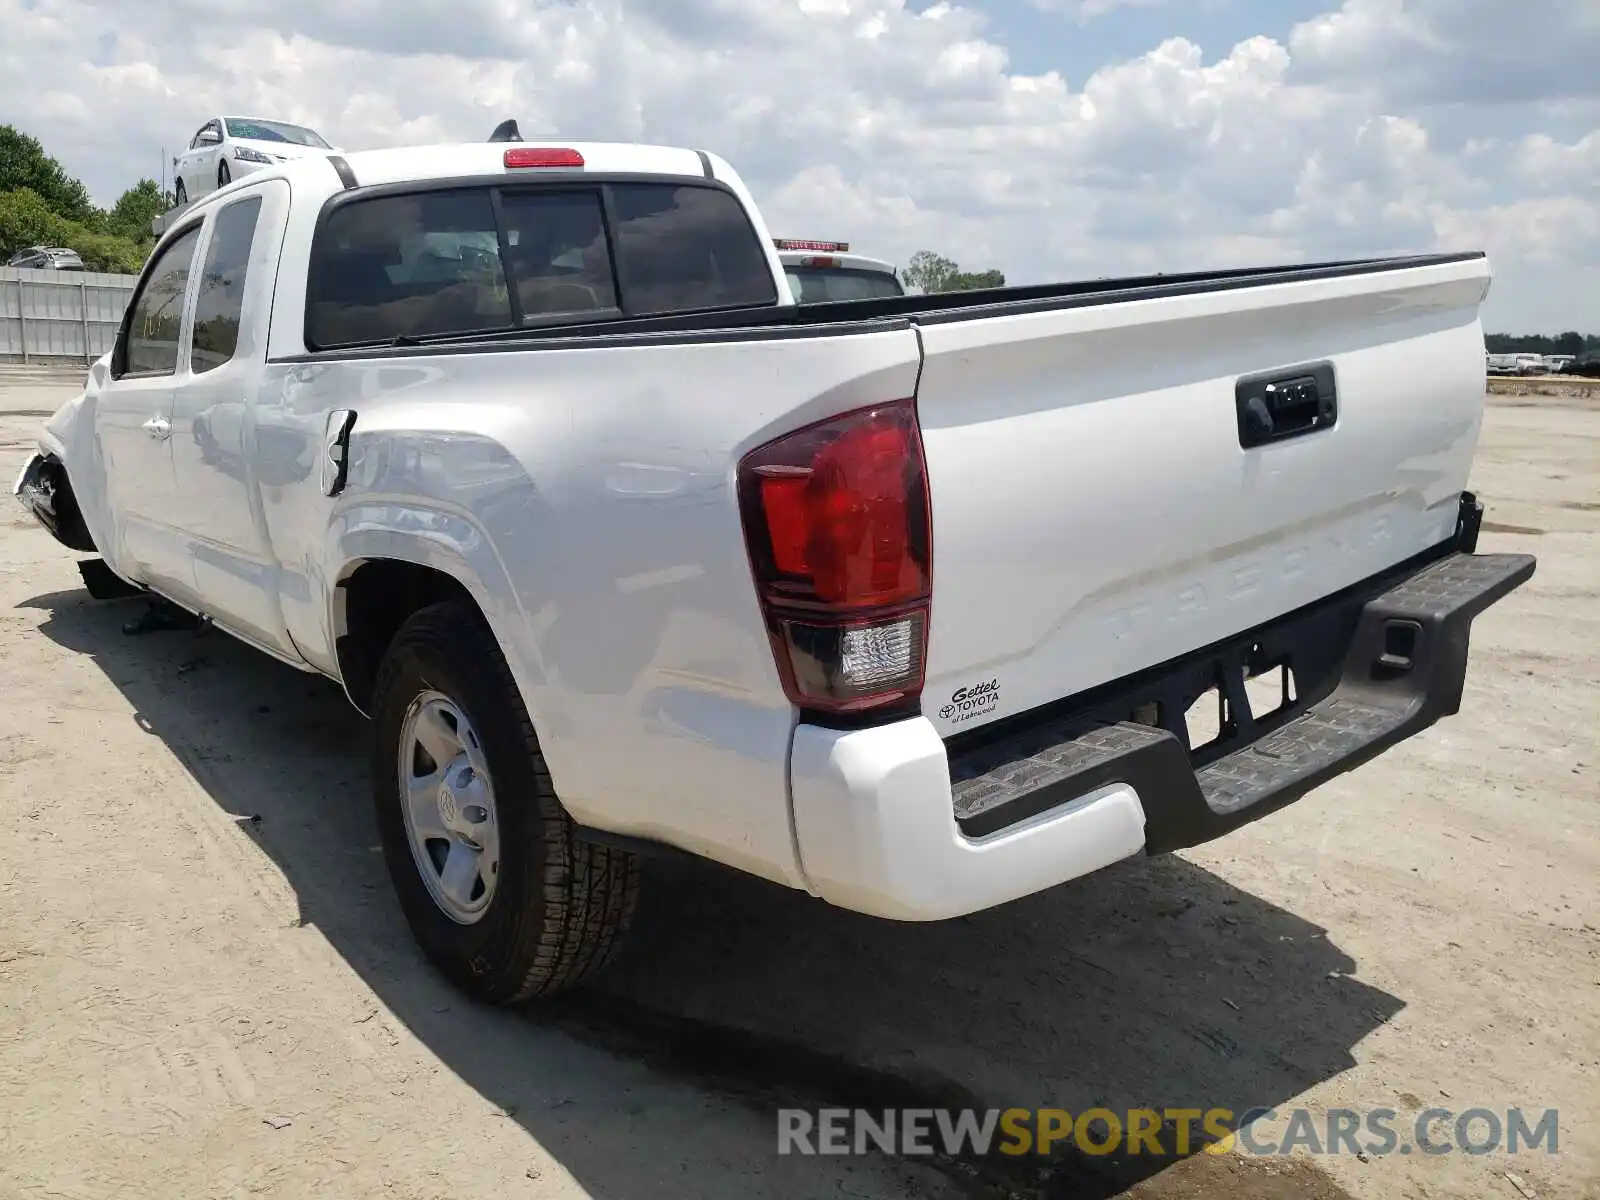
(822, 271)
(225, 148)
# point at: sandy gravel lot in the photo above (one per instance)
(206, 989)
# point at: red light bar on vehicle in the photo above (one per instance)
(542, 156)
(803, 244)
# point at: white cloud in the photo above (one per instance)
(1471, 51)
(1087, 10)
(899, 127)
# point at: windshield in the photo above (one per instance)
(274, 131)
(814, 285)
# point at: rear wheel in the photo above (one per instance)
(500, 895)
(223, 174)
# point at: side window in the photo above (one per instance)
(556, 253)
(407, 266)
(220, 303)
(157, 315)
(681, 248)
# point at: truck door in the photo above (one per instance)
(133, 420)
(215, 450)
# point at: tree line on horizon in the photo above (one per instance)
(1571, 342)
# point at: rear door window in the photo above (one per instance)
(220, 304)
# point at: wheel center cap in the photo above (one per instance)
(449, 807)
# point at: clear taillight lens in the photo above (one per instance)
(836, 522)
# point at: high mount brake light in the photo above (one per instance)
(809, 244)
(541, 156)
(836, 522)
(819, 260)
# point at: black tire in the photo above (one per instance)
(180, 195)
(561, 907)
(223, 174)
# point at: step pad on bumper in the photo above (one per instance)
(1403, 668)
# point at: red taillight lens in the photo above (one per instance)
(836, 521)
(542, 156)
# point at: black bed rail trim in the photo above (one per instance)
(956, 306)
(624, 333)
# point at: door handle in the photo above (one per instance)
(1276, 405)
(158, 428)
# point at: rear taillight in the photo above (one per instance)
(836, 520)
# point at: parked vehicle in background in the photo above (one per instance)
(1587, 366)
(819, 272)
(1530, 364)
(1556, 363)
(225, 148)
(46, 258)
(903, 602)
(1501, 364)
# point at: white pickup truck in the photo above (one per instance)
(900, 602)
(820, 271)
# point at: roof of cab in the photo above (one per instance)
(406, 164)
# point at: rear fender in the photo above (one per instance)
(452, 543)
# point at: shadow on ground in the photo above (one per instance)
(1153, 984)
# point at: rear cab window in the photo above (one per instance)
(489, 258)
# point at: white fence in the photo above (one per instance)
(60, 316)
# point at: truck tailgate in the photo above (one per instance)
(1100, 505)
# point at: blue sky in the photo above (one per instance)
(1041, 40)
(1050, 138)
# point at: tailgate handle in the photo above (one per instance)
(1276, 405)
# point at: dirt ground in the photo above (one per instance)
(206, 989)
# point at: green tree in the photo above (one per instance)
(965, 281)
(1570, 342)
(130, 217)
(24, 164)
(26, 220)
(929, 271)
(935, 273)
(107, 252)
